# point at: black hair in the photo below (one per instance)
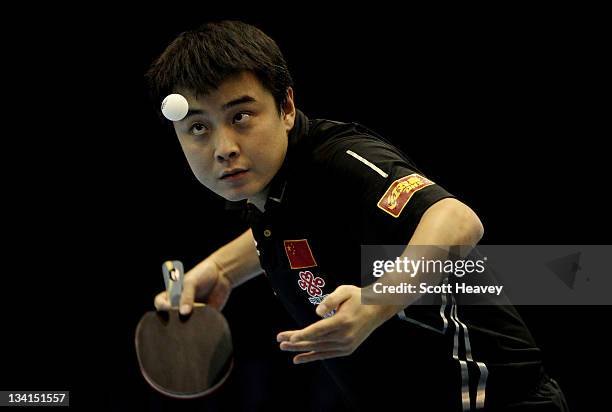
(200, 60)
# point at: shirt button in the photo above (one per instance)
(267, 233)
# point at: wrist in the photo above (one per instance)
(386, 312)
(218, 269)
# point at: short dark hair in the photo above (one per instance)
(200, 60)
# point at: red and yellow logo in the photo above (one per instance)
(399, 193)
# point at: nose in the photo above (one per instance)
(227, 148)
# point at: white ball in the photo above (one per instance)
(175, 107)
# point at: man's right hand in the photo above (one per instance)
(204, 283)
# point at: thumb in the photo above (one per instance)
(187, 298)
(333, 300)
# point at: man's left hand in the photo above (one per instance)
(340, 334)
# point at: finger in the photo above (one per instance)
(219, 295)
(324, 346)
(314, 356)
(217, 301)
(334, 300)
(187, 297)
(161, 301)
(318, 330)
(285, 336)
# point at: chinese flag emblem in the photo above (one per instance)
(299, 254)
(399, 193)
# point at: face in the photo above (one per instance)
(234, 138)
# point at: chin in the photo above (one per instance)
(233, 197)
(236, 195)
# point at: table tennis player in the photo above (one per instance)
(313, 191)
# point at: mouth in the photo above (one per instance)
(234, 174)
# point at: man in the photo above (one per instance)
(314, 191)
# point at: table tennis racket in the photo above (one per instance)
(183, 356)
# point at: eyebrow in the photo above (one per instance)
(224, 107)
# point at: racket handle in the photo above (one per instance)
(173, 278)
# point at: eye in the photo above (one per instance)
(197, 129)
(242, 117)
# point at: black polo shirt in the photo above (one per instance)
(342, 186)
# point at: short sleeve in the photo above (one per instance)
(385, 194)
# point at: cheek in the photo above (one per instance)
(266, 156)
(280, 144)
(276, 143)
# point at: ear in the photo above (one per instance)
(288, 110)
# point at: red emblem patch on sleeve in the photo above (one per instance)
(399, 193)
(299, 254)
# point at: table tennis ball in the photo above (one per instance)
(175, 107)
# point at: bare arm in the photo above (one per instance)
(213, 279)
(237, 261)
(447, 223)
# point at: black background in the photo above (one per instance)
(505, 108)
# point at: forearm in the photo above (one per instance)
(237, 260)
(448, 223)
(445, 224)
